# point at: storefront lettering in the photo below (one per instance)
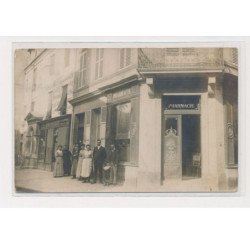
(182, 106)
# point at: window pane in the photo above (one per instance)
(101, 53)
(128, 56)
(101, 69)
(123, 147)
(123, 121)
(97, 54)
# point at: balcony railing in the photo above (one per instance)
(154, 59)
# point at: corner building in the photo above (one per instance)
(172, 113)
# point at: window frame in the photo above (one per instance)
(82, 69)
(99, 62)
(124, 62)
(119, 139)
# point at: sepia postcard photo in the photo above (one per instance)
(148, 119)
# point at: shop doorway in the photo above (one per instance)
(181, 137)
(191, 148)
(182, 149)
(80, 129)
(182, 157)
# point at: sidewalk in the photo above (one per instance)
(36, 180)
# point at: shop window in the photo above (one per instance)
(125, 58)
(122, 137)
(99, 63)
(232, 133)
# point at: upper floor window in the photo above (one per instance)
(83, 70)
(189, 51)
(172, 51)
(34, 80)
(99, 63)
(235, 55)
(67, 57)
(52, 65)
(125, 58)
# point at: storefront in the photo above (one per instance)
(111, 117)
(30, 141)
(181, 136)
(122, 129)
(53, 132)
(184, 140)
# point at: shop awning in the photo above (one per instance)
(63, 99)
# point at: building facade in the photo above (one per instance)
(49, 85)
(171, 112)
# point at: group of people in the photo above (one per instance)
(86, 164)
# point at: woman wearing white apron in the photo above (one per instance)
(87, 163)
(79, 164)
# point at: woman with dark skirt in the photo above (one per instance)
(75, 155)
(67, 156)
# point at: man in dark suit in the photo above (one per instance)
(99, 156)
(67, 158)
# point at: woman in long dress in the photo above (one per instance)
(86, 163)
(75, 155)
(58, 169)
(79, 164)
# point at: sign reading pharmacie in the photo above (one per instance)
(181, 103)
